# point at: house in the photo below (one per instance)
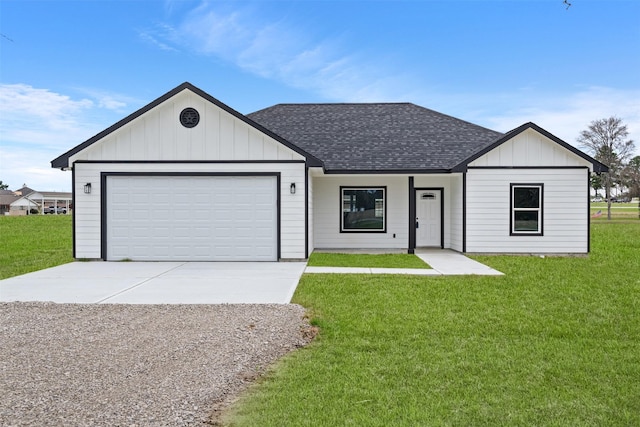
(6, 198)
(26, 201)
(188, 178)
(43, 202)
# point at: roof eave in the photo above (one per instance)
(386, 171)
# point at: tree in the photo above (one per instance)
(607, 140)
(3, 186)
(631, 176)
(596, 183)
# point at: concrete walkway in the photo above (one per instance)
(442, 262)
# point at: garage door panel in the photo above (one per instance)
(205, 218)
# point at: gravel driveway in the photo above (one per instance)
(161, 365)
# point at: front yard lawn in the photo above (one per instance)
(554, 342)
(33, 242)
(622, 212)
(324, 259)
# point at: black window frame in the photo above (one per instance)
(513, 209)
(382, 188)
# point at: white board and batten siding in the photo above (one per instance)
(158, 135)
(528, 158)
(220, 144)
(530, 149)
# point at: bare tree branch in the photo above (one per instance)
(606, 140)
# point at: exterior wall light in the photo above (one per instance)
(87, 188)
(292, 188)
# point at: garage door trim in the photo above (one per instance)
(103, 198)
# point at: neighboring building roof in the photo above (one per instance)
(59, 195)
(7, 199)
(24, 191)
(377, 137)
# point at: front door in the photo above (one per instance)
(429, 218)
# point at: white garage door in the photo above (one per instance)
(191, 218)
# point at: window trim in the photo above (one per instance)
(383, 188)
(539, 209)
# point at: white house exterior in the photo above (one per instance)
(188, 178)
(529, 158)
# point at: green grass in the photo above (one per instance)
(33, 242)
(620, 212)
(555, 342)
(323, 259)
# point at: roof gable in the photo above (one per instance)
(520, 147)
(8, 198)
(382, 137)
(117, 141)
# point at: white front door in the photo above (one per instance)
(428, 218)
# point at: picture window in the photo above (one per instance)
(363, 209)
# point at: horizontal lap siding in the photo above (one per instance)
(310, 196)
(565, 214)
(327, 213)
(456, 213)
(88, 213)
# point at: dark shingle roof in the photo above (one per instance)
(376, 137)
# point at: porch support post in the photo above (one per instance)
(464, 212)
(412, 216)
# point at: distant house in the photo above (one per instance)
(188, 178)
(26, 201)
(6, 198)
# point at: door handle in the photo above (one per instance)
(417, 223)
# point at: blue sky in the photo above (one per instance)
(69, 69)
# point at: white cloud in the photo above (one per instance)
(149, 37)
(37, 125)
(566, 115)
(20, 165)
(115, 102)
(38, 116)
(283, 51)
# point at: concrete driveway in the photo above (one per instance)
(158, 283)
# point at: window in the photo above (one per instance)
(363, 209)
(526, 209)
